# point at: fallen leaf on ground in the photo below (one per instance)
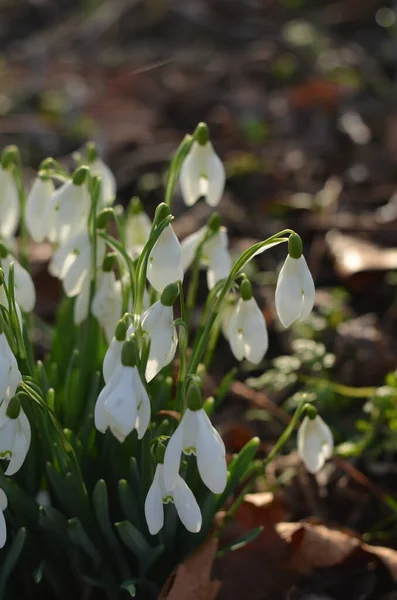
(191, 579)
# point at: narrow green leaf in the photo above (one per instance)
(240, 542)
(11, 559)
(129, 586)
(129, 502)
(54, 521)
(78, 536)
(101, 508)
(134, 540)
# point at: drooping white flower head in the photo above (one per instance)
(15, 436)
(10, 375)
(214, 254)
(81, 307)
(158, 324)
(3, 527)
(68, 209)
(107, 302)
(108, 182)
(137, 229)
(196, 435)
(202, 173)
(72, 262)
(112, 358)
(181, 495)
(246, 330)
(9, 204)
(165, 261)
(295, 292)
(40, 194)
(25, 293)
(123, 405)
(315, 443)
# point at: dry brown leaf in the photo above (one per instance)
(316, 546)
(191, 579)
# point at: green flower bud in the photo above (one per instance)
(13, 408)
(136, 206)
(80, 175)
(201, 134)
(310, 411)
(246, 289)
(129, 353)
(170, 294)
(47, 163)
(160, 452)
(10, 156)
(214, 222)
(104, 217)
(194, 398)
(108, 262)
(91, 151)
(3, 251)
(121, 330)
(295, 246)
(162, 211)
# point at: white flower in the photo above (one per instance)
(295, 291)
(202, 174)
(107, 303)
(3, 527)
(214, 254)
(181, 495)
(67, 211)
(25, 293)
(315, 443)
(137, 233)
(37, 201)
(82, 303)
(157, 323)
(108, 182)
(247, 331)
(165, 261)
(9, 204)
(72, 262)
(15, 438)
(123, 405)
(10, 376)
(196, 435)
(113, 355)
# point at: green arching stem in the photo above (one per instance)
(340, 388)
(116, 245)
(24, 236)
(238, 265)
(183, 333)
(212, 343)
(175, 168)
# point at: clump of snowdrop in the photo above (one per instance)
(315, 442)
(112, 421)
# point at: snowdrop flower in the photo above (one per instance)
(107, 302)
(196, 435)
(158, 324)
(37, 201)
(181, 495)
(108, 182)
(202, 172)
(3, 528)
(123, 405)
(81, 307)
(214, 253)
(25, 293)
(165, 261)
(315, 443)
(295, 288)
(15, 434)
(9, 204)
(246, 330)
(113, 355)
(72, 262)
(10, 376)
(137, 229)
(67, 211)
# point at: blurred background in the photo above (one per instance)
(301, 100)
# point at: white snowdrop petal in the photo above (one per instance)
(154, 511)
(37, 201)
(210, 452)
(255, 336)
(82, 302)
(9, 204)
(288, 294)
(3, 500)
(25, 293)
(112, 359)
(137, 233)
(186, 505)
(157, 322)
(108, 183)
(143, 412)
(315, 443)
(220, 265)
(190, 179)
(20, 446)
(216, 180)
(3, 530)
(165, 261)
(309, 291)
(172, 457)
(190, 246)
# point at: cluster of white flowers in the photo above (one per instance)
(144, 340)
